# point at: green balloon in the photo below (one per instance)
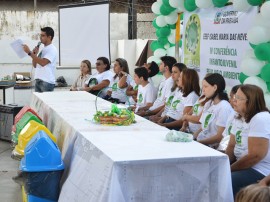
(166, 2)
(154, 23)
(182, 16)
(252, 45)
(158, 33)
(165, 31)
(155, 45)
(171, 44)
(255, 2)
(265, 72)
(262, 51)
(242, 77)
(166, 10)
(220, 3)
(173, 26)
(268, 86)
(180, 43)
(190, 5)
(162, 41)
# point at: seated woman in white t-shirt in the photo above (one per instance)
(183, 100)
(146, 91)
(101, 79)
(248, 148)
(191, 120)
(120, 82)
(85, 75)
(215, 112)
(226, 133)
(176, 71)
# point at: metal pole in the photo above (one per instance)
(132, 20)
(35, 5)
(177, 38)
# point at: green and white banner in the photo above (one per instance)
(215, 41)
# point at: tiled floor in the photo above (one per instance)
(9, 190)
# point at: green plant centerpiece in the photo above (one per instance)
(116, 116)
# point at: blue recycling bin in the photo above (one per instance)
(42, 167)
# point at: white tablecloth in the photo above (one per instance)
(128, 163)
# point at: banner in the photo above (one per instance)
(215, 41)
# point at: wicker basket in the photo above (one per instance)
(119, 117)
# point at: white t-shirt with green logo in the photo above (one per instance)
(145, 95)
(107, 75)
(119, 93)
(259, 126)
(179, 102)
(213, 116)
(227, 131)
(163, 92)
(168, 102)
(196, 111)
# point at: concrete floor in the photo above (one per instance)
(9, 190)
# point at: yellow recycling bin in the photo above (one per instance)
(31, 128)
(24, 196)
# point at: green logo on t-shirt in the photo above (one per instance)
(207, 119)
(140, 98)
(136, 87)
(238, 137)
(114, 87)
(160, 92)
(169, 102)
(92, 82)
(229, 129)
(196, 108)
(175, 103)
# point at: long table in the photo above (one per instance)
(128, 163)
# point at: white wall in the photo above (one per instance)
(26, 25)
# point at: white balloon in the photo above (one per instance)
(251, 66)
(160, 52)
(259, 20)
(267, 99)
(160, 20)
(154, 58)
(265, 10)
(241, 5)
(254, 80)
(160, 1)
(166, 46)
(171, 18)
(257, 35)
(171, 51)
(171, 38)
(179, 4)
(204, 3)
(156, 8)
(249, 54)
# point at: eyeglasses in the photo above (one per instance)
(42, 35)
(235, 97)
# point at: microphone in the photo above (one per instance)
(39, 43)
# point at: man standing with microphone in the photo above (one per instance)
(44, 62)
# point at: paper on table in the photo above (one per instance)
(17, 47)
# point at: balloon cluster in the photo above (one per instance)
(165, 25)
(255, 66)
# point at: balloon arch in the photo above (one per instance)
(255, 66)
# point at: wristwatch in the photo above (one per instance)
(30, 52)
